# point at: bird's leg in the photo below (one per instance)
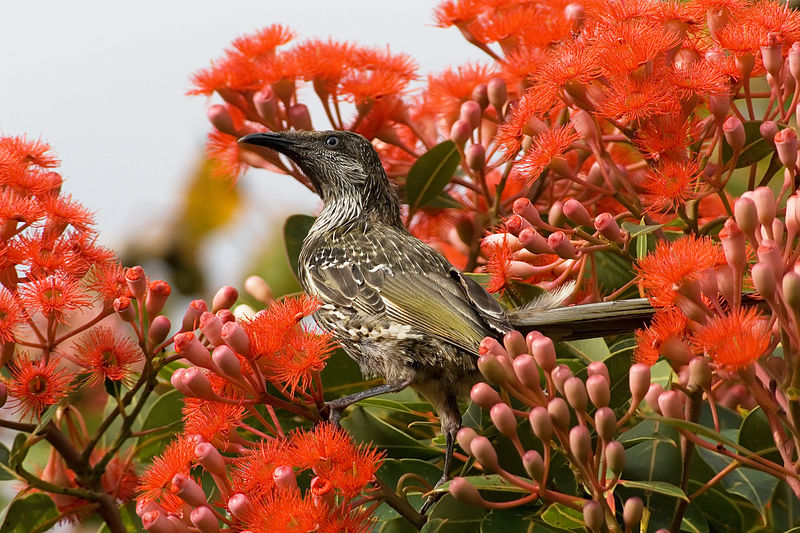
(337, 406)
(451, 423)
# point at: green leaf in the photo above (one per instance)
(722, 512)
(459, 517)
(341, 375)
(612, 271)
(397, 525)
(295, 230)
(25, 514)
(658, 487)
(587, 350)
(492, 482)
(19, 449)
(6, 472)
(445, 201)
(755, 433)
(164, 412)
(752, 485)
(640, 229)
(430, 174)
(433, 525)
(755, 148)
(513, 520)
(364, 426)
(393, 469)
(784, 508)
(562, 517)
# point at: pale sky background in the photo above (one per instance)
(104, 83)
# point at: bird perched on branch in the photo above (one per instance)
(396, 305)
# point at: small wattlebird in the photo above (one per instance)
(396, 305)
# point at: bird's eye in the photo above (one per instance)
(332, 141)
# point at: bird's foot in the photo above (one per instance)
(333, 410)
(434, 497)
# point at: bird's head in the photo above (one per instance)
(343, 166)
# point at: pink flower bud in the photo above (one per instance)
(284, 477)
(480, 94)
(224, 299)
(745, 214)
(157, 522)
(197, 382)
(492, 369)
(159, 329)
(235, 337)
(719, 105)
(593, 516)
(769, 254)
(514, 343)
(699, 373)
(615, 457)
(124, 309)
(504, 420)
(764, 281)
(188, 490)
(464, 438)
(632, 513)
(791, 291)
(471, 112)
(485, 396)
(638, 381)
(460, 132)
(653, 393)
(734, 132)
(482, 450)
(586, 126)
(490, 346)
(191, 319)
(516, 223)
(607, 225)
(524, 208)
(191, 349)
(786, 146)
(534, 242)
(575, 392)
(240, 506)
(541, 423)
(555, 216)
(204, 519)
(3, 394)
(259, 289)
(211, 326)
(745, 64)
(772, 57)
(577, 213)
(764, 199)
(146, 506)
(670, 404)
(598, 368)
(606, 423)
(210, 459)
(225, 316)
(266, 105)
(580, 443)
(220, 118)
(475, 156)
(599, 393)
(176, 379)
(299, 118)
(559, 413)
(527, 372)
(768, 129)
(543, 351)
(465, 492)
(137, 281)
(561, 373)
(733, 244)
(561, 245)
(534, 465)
(574, 13)
(794, 61)
(226, 362)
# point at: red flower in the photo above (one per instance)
(263, 42)
(20, 151)
(671, 263)
(11, 315)
(498, 266)
(107, 280)
(448, 90)
(632, 99)
(670, 184)
(330, 453)
(224, 155)
(735, 340)
(624, 46)
(106, 356)
(155, 482)
(54, 296)
(36, 385)
(546, 146)
(252, 473)
(667, 324)
(285, 510)
(211, 420)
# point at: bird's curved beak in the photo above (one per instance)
(276, 141)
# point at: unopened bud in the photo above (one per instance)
(541, 423)
(764, 280)
(484, 452)
(475, 156)
(638, 381)
(211, 326)
(266, 105)
(764, 199)
(555, 216)
(593, 516)
(733, 244)
(224, 299)
(240, 506)
(632, 513)
(159, 329)
(504, 420)
(786, 146)
(791, 291)
(533, 241)
(699, 373)
(524, 208)
(204, 520)
(137, 281)
(219, 117)
(719, 104)
(259, 289)
(210, 459)
(615, 456)
(670, 404)
(527, 372)
(561, 245)
(577, 213)
(599, 392)
(191, 349)
(606, 423)
(191, 319)
(227, 362)
(157, 522)
(157, 293)
(770, 254)
(514, 343)
(575, 392)
(465, 492)
(490, 346)
(534, 465)
(492, 369)
(543, 351)
(284, 477)
(234, 336)
(124, 309)
(460, 132)
(653, 393)
(745, 214)
(561, 373)
(188, 490)
(485, 396)
(198, 384)
(299, 118)
(734, 132)
(745, 64)
(471, 112)
(768, 129)
(772, 57)
(559, 413)
(598, 368)
(464, 438)
(580, 443)
(607, 225)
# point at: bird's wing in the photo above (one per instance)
(390, 274)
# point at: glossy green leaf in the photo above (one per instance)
(433, 525)
(722, 512)
(364, 426)
(658, 487)
(755, 433)
(640, 229)
(27, 513)
(755, 147)
(513, 520)
(396, 525)
(444, 201)
(587, 350)
(459, 517)
(6, 472)
(295, 230)
(492, 482)
(563, 517)
(430, 174)
(784, 508)
(19, 449)
(612, 271)
(164, 412)
(341, 375)
(393, 469)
